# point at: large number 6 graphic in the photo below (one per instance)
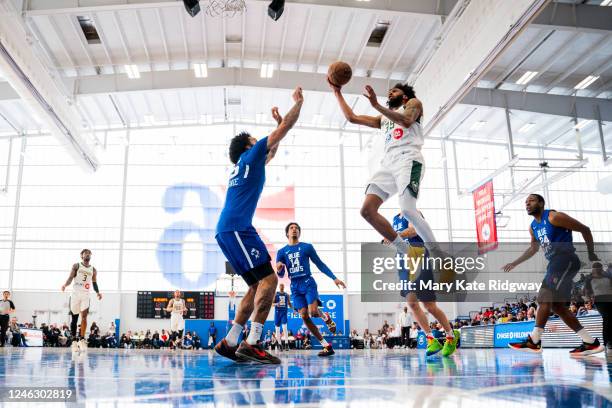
(170, 247)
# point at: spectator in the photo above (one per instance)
(299, 339)
(16, 333)
(188, 342)
(267, 340)
(385, 327)
(414, 334)
(367, 339)
(155, 340)
(212, 335)
(54, 334)
(163, 337)
(599, 286)
(197, 343)
(273, 342)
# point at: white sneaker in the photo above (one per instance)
(83, 345)
(74, 346)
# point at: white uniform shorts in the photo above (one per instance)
(176, 322)
(78, 302)
(396, 175)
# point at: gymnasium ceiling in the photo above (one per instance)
(564, 45)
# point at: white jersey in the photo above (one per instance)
(402, 141)
(83, 279)
(178, 306)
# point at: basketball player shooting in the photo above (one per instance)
(241, 243)
(85, 276)
(402, 167)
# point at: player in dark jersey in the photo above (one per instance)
(419, 253)
(552, 230)
(281, 304)
(295, 258)
(240, 242)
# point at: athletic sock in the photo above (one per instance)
(536, 334)
(255, 333)
(234, 333)
(585, 336)
(324, 343)
(400, 245)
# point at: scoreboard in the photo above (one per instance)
(152, 305)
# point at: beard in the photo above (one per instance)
(396, 102)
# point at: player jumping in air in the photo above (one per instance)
(402, 167)
(240, 242)
(85, 276)
(295, 258)
(552, 231)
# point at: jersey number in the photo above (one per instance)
(236, 169)
(295, 263)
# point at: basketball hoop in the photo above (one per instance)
(225, 8)
(501, 220)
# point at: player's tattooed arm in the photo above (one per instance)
(412, 110)
(529, 252)
(347, 111)
(73, 273)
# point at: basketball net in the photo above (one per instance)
(225, 8)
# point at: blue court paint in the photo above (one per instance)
(472, 378)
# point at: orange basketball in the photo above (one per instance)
(339, 73)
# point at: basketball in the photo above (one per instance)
(339, 73)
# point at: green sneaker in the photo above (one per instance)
(451, 345)
(433, 346)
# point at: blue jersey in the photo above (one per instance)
(282, 300)
(297, 260)
(553, 240)
(244, 188)
(400, 223)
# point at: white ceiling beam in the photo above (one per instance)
(575, 17)
(435, 8)
(180, 79)
(473, 38)
(560, 105)
(103, 40)
(37, 88)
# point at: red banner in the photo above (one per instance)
(486, 229)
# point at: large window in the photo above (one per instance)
(150, 212)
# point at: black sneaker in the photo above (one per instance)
(327, 351)
(527, 345)
(227, 351)
(587, 349)
(256, 353)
